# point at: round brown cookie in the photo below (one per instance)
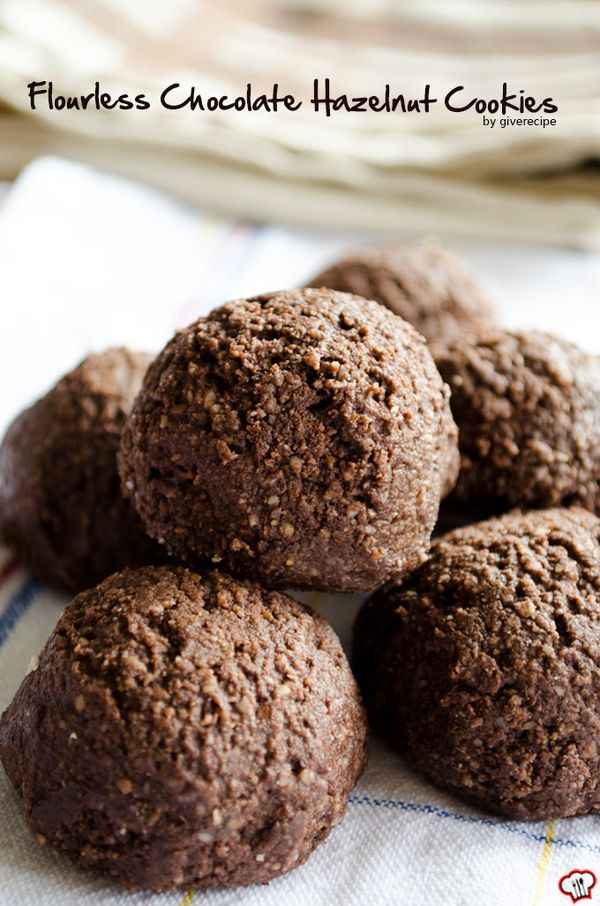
(302, 438)
(528, 410)
(483, 668)
(61, 507)
(186, 730)
(422, 282)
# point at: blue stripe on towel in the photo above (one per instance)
(17, 605)
(426, 809)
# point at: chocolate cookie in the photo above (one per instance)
(61, 507)
(421, 282)
(528, 410)
(483, 668)
(185, 730)
(302, 438)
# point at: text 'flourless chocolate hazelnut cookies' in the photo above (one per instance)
(185, 731)
(61, 507)
(422, 282)
(301, 438)
(483, 668)
(527, 409)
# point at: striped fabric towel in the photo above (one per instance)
(440, 171)
(138, 265)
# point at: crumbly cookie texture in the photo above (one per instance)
(422, 282)
(61, 507)
(526, 405)
(483, 668)
(302, 438)
(185, 730)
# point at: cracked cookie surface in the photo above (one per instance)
(483, 668)
(61, 507)
(526, 404)
(185, 730)
(422, 282)
(301, 438)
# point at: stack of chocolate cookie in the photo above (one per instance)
(206, 729)
(483, 666)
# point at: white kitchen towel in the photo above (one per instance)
(88, 260)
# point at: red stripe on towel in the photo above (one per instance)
(7, 570)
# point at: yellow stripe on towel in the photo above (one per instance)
(543, 863)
